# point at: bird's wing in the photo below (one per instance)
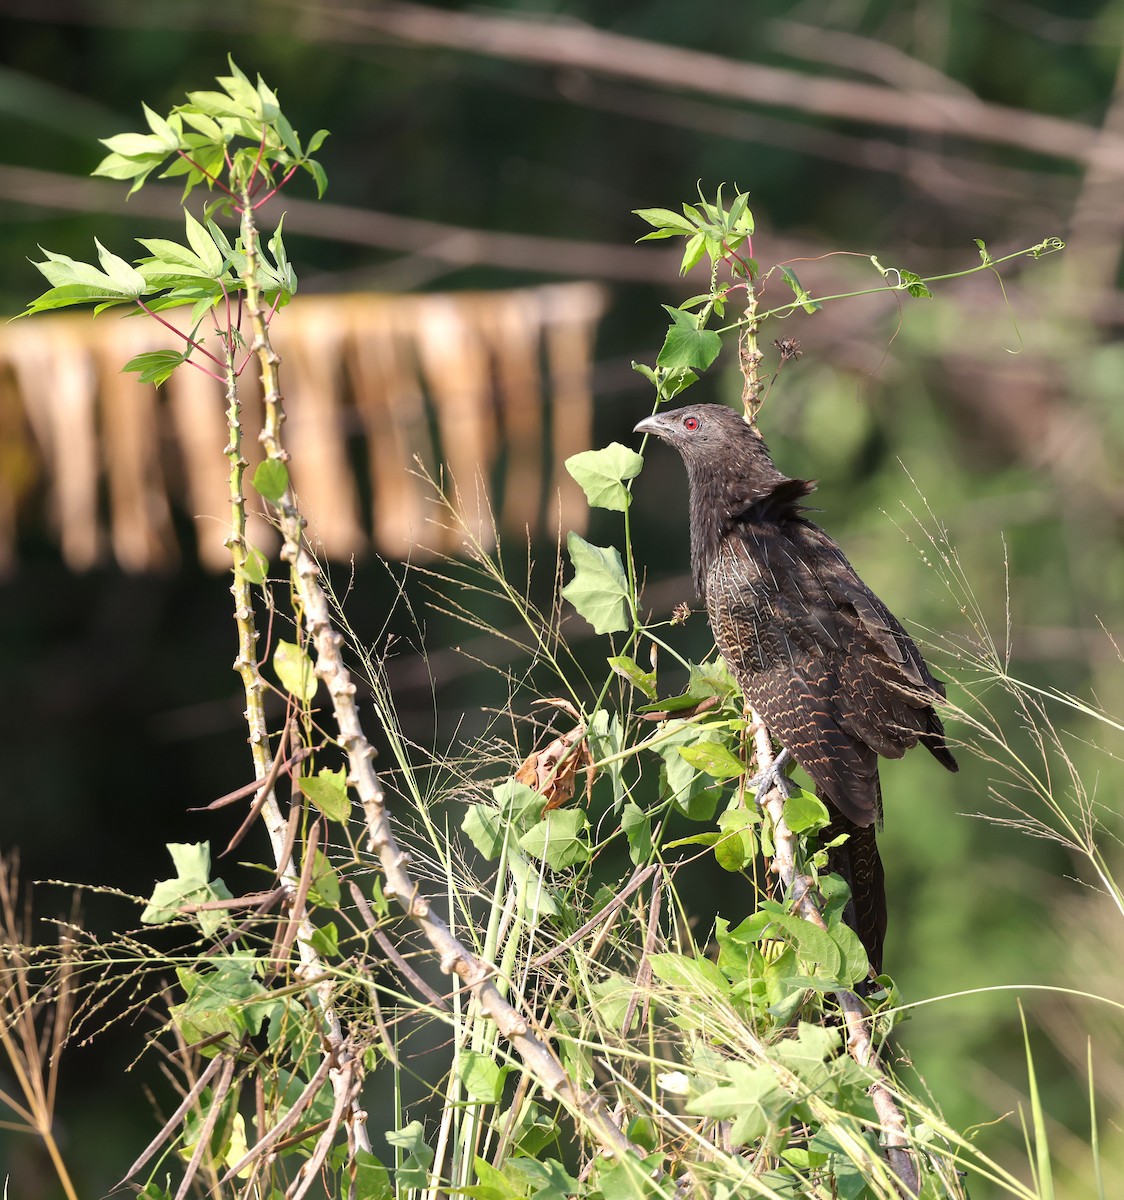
(828, 666)
(786, 644)
(888, 683)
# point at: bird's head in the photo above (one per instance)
(729, 472)
(716, 440)
(701, 430)
(728, 464)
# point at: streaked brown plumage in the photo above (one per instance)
(832, 672)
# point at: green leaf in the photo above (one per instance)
(664, 219)
(534, 898)
(693, 792)
(117, 166)
(544, 1179)
(127, 279)
(255, 567)
(484, 828)
(741, 219)
(606, 741)
(482, 1076)
(413, 1171)
(681, 317)
(736, 849)
(855, 965)
(805, 812)
(698, 839)
(70, 294)
(166, 131)
(804, 1054)
(372, 1179)
(325, 940)
(806, 302)
(520, 804)
(225, 998)
(170, 259)
(693, 252)
(637, 828)
(693, 349)
(611, 999)
(271, 479)
(328, 791)
(293, 667)
(706, 680)
(628, 668)
(63, 271)
(285, 273)
(207, 126)
(318, 175)
(325, 887)
(599, 589)
(753, 1101)
(676, 381)
(559, 839)
(155, 366)
(270, 108)
(627, 1176)
(491, 1184)
(714, 758)
(694, 978)
(915, 285)
(601, 475)
(812, 943)
(192, 885)
(204, 246)
(137, 145)
(215, 104)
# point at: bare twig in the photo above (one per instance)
(345, 1084)
(639, 877)
(291, 1117)
(203, 1143)
(391, 951)
(173, 1121)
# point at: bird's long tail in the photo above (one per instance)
(857, 860)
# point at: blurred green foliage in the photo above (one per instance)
(1000, 416)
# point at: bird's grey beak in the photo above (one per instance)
(651, 425)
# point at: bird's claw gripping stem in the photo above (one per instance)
(772, 777)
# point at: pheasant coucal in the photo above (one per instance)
(830, 669)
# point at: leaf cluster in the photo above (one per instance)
(238, 143)
(232, 139)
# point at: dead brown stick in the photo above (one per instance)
(584, 47)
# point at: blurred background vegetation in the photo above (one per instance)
(904, 131)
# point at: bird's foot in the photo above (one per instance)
(772, 777)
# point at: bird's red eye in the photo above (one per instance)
(690, 424)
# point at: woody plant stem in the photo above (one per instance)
(455, 959)
(344, 1068)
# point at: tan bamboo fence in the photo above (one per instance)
(488, 391)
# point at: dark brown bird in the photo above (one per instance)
(830, 669)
